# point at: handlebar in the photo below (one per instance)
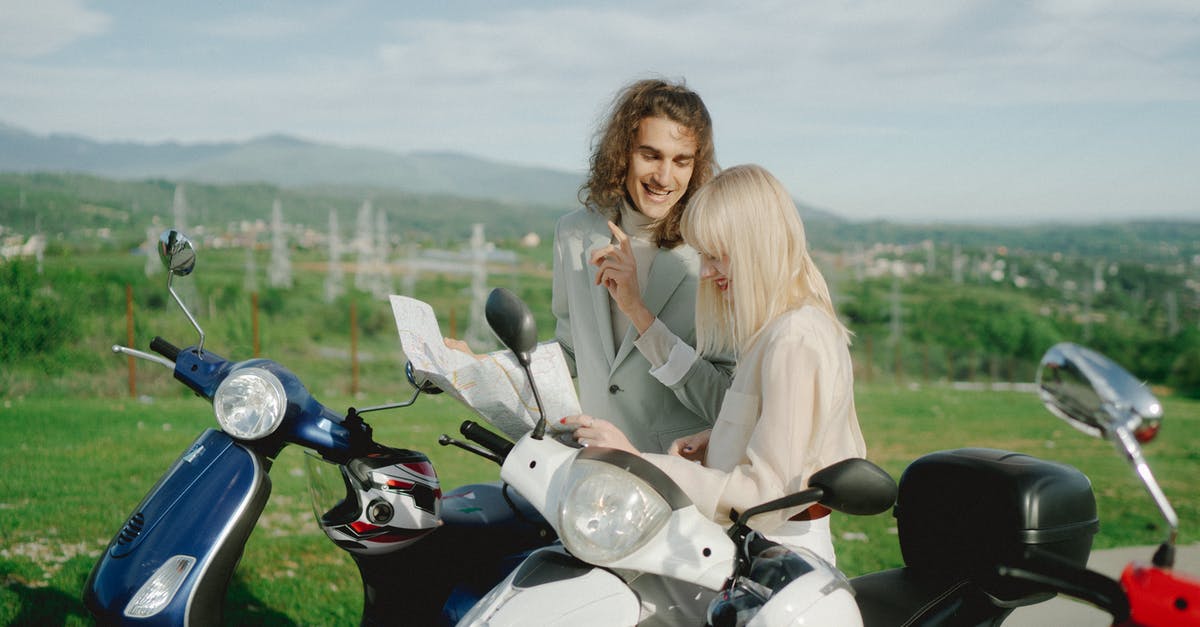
(1059, 575)
(164, 348)
(480, 435)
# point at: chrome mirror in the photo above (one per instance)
(1095, 395)
(176, 252)
(423, 385)
(179, 258)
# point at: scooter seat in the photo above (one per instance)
(908, 597)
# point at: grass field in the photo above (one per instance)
(73, 470)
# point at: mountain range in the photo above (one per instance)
(287, 161)
(46, 176)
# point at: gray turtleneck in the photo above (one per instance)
(641, 237)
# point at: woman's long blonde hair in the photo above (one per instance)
(744, 212)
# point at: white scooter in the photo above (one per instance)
(624, 523)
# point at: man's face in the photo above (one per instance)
(660, 165)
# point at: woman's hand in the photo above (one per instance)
(591, 431)
(617, 271)
(693, 447)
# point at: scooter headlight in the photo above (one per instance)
(607, 513)
(250, 403)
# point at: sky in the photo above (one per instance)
(1006, 111)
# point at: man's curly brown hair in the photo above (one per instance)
(612, 147)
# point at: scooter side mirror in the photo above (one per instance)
(1095, 395)
(178, 256)
(855, 486)
(512, 322)
(424, 385)
(176, 252)
(852, 486)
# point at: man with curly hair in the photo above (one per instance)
(624, 293)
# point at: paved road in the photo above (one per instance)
(1061, 612)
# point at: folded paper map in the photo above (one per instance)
(496, 386)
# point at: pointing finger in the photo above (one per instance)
(621, 237)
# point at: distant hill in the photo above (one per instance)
(60, 183)
(76, 207)
(288, 162)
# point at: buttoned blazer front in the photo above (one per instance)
(613, 376)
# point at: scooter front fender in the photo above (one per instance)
(551, 587)
(202, 510)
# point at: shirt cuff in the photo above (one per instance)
(670, 357)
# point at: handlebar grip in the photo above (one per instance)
(480, 435)
(164, 348)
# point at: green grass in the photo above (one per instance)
(74, 469)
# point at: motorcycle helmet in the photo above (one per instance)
(377, 503)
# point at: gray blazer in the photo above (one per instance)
(613, 376)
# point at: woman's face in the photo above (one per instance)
(716, 269)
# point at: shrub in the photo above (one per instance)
(35, 319)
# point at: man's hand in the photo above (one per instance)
(618, 272)
(461, 347)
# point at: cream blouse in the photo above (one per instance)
(789, 412)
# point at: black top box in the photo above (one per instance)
(966, 510)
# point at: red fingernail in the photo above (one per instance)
(562, 421)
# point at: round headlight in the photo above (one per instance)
(607, 513)
(250, 403)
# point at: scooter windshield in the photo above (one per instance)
(334, 499)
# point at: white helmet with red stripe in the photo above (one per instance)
(382, 502)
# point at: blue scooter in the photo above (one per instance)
(421, 564)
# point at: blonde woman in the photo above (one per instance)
(790, 409)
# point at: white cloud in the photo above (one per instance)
(917, 53)
(265, 25)
(33, 29)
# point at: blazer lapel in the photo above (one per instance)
(598, 236)
(666, 273)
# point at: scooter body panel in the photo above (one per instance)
(204, 507)
(487, 531)
(552, 587)
(690, 547)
